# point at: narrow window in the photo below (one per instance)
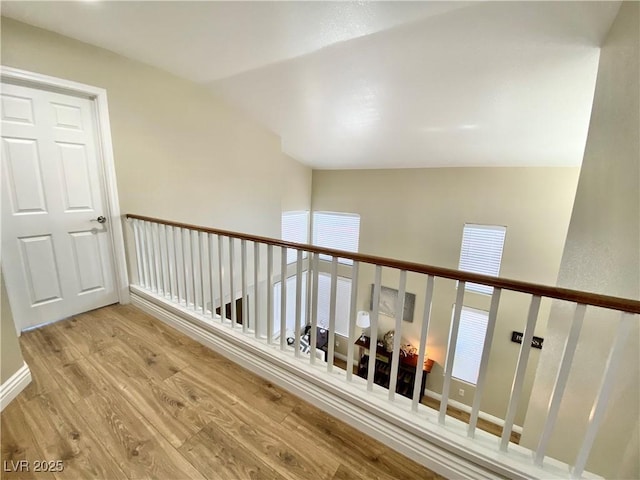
(343, 302)
(336, 230)
(295, 228)
(473, 327)
(481, 252)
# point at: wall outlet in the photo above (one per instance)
(337, 343)
(461, 392)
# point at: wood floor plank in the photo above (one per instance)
(219, 455)
(160, 362)
(116, 392)
(63, 435)
(81, 331)
(42, 380)
(203, 392)
(132, 441)
(47, 378)
(46, 342)
(347, 473)
(19, 445)
(272, 402)
(163, 407)
(239, 418)
(144, 326)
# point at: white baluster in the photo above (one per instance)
(256, 279)
(157, 261)
(484, 361)
(211, 270)
(185, 265)
(353, 311)
(604, 392)
(232, 291)
(160, 258)
(223, 312)
(136, 237)
(269, 294)
(373, 347)
(151, 257)
(332, 313)
(314, 307)
(451, 352)
(395, 359)
(202, 266)
(308, 293)
(165, 236)
(521, 368)
(144, 254)
(422, 350)
(194, 270)
(283, 298)
(180, 269)
(298, 319)
(245, 305)
(174, 262)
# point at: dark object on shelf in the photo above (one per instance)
(407, 367)
(322, 339)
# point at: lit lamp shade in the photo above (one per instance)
(363, 320)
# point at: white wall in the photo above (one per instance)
(419, 214)
(602, 255)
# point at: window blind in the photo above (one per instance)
(291, 304)
(481, 252)
(473, 327)
(336, 230)
(343, 302)
(295, 228)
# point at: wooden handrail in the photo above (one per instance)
(587, 298)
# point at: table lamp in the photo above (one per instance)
(363, 321)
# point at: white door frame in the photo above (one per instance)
(105, 152)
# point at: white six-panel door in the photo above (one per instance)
(56, 258)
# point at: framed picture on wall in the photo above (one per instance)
(389, 300)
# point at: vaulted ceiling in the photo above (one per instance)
(373, 85)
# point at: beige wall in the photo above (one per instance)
(180, 152)
(418, 215)
(297, 187)
(10, 353)
(602, 254)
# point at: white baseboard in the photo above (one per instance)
(14, 385)
(466, 408)
(445, 450)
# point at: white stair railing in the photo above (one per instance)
(197, 268)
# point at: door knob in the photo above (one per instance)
(100, 219)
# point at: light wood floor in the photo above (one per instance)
(117, 394)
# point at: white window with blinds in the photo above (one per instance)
(291, 304)
(336, 230)
(473, 328)
(343, 301)
(295, 228)
(481, 252)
